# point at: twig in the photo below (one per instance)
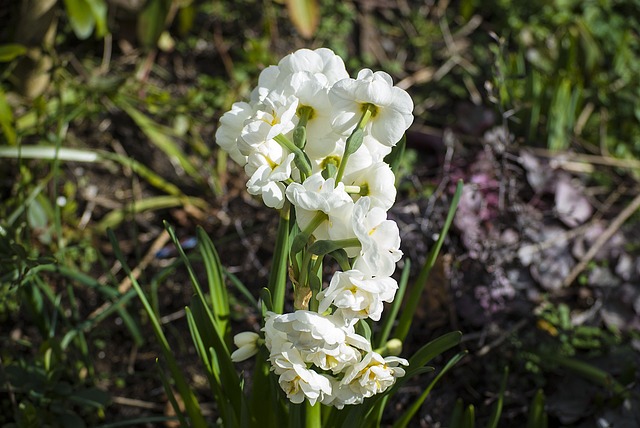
(602, 239)
(584, 158)
(125, 285)
(487, 348)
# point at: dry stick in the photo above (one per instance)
(602, 239)
(125, 285)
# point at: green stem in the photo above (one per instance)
(313, 415)
(301, 160)
(278, 276)
(355, 139)
(303, 237)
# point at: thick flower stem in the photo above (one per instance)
(313, 415)
(278, 276)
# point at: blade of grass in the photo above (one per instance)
(217, 286)
(158, 135)
(242, 289)
(392, 314)
(116, 217)
(191, 403)
(496, 412)
(411, 304)
(537, 414)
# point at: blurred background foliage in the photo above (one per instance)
(108, 110)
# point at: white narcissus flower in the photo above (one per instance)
(274, 339)
(315, 195)
(377, 182)
(309, 330)
(321, 62)
(266, 180)
(379, 237)
(275, 115)
(296, 379)
(247, 343)
(392, 106)
(373, 375)
(328, 342)
(228, 133)
(357, 294)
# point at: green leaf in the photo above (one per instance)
(413, 409)
(537, 414)
(10, 51)
(392, 313)
(81, 17)
(432, 349)
(93, 397)
(152, 21)
(217, 287)
(159, 136)
(191, 403)
(305, 16)
(99, 11)
(469, 417)
(456, 416)
(497, 407)
(411, 304)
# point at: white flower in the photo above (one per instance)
(228, 133)
(392, 106)
(267, 178)
(296, 380)
(247, 343)
(275, 115)
(321, 62)
(377, 182)
(357, 294)
(373, 375)
(379, 237)
(300, 383)
(308, 329)
(274, 340)
(315, 195)
(328, 342)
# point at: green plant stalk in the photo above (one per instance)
(191, 404)
(278, 275)
(313, 415)
(354, 141)
(301, 160)
(404, 324)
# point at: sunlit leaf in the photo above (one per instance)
(10, 51)
(81, 17)
(151, 22)
(304, 15)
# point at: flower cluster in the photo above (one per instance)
(313, 138)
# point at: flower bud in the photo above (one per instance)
(247, 343)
